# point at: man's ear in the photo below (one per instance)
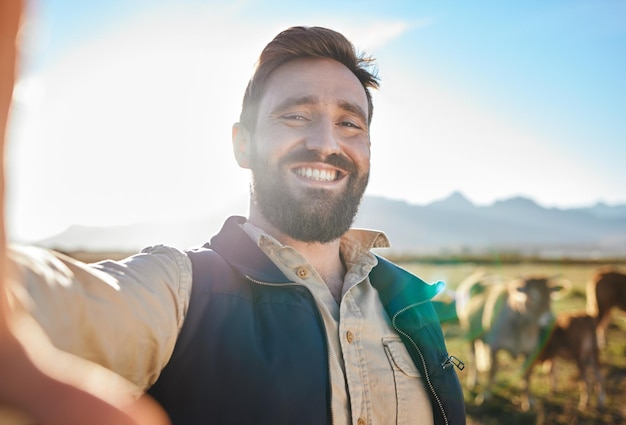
(241, 145)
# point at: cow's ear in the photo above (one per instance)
(559, 287)
(557, 292)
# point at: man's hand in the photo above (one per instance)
(37, 380)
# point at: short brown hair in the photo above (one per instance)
(306, 42)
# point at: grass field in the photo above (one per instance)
(560, 407)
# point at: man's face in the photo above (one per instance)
(310, 153)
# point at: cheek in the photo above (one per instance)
(263, 150)
(360, 154)
(273, 142)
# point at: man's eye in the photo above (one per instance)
(349, 124)
(295, 117)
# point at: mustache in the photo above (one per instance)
(339, 161)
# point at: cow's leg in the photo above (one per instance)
(472, 370)
(602, 323)
(549, 369)
(493, 368)
(584, 386)
(599, 380)
(526, 399)
(599, 387)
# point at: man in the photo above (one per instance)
(284, 317)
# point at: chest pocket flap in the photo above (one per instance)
(399, 357)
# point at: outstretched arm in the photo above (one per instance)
(52, 387)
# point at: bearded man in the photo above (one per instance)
(285, 316)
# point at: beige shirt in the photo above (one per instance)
(87, 310)
(373, 378)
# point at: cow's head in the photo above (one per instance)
(532, 296)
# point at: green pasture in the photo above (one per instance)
(560, 407)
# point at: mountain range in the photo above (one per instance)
(450, 225)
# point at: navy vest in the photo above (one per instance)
(247, 353)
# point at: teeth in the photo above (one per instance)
(316, 174)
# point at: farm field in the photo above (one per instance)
(562, 406)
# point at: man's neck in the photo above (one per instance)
(324, 257)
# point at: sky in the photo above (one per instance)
(123, 109)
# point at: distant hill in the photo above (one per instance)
(450, 225)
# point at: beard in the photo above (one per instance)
(314, 215)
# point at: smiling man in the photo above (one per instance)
(286, 316)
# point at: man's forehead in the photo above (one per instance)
(311, 80)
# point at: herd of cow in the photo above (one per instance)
(515, 315)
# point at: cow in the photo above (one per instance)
(573, 337)
(605, 290)
(503, 315)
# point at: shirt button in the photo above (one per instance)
(361, 421)
(302, 273)
(350, 337)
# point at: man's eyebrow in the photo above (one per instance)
(295, 101)
(353, 108)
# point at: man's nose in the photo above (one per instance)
(323, 138)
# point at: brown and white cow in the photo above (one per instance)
(505, 315)
(573, 337)
(605, 290)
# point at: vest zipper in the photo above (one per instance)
(419, 352)
(320, 323)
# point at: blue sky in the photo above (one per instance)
(124, 107)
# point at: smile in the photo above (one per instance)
(317, 174)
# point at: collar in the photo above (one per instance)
(352, 244)
(355, 247)
(397, 287)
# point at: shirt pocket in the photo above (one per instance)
(412, 402)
